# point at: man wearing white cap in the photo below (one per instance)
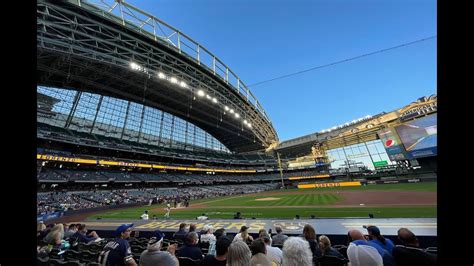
(209, 237)
(153, 254)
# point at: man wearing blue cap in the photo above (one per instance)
(118, 251)
(153, 254)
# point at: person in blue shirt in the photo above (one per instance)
(377, 238)
(118, 252)
(357, 238)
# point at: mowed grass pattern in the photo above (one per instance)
(323, 197)
(278, 200)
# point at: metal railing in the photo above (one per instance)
(147, 24)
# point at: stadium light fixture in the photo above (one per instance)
(208, 96)
(245, 121)
(249, 125)
(161, 75)
(174, 80)
(226, 107)
(134, 65)
(231, 111)
(201, 93)
(214, 100)
(183, 84)
(237, 115)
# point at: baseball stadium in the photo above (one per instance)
(138, 123)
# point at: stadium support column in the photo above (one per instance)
(281, 170)
(370, 155)
(96, 113)
(73, 109)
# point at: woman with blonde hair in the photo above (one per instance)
(327, 249)
(243, 235)
(238, 254)
(55, 236)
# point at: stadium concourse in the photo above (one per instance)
(161, 121)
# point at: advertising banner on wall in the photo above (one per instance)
(419, 137)
(393, 144)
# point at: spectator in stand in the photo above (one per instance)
(71, 231)
(243, 235)
(40, 227)
(55, 235)
(359, 254)
(144, 216)
(192, 228)
(309, 234)
(82, 236)
(409, 253)
(274, 254)
(296, 252)
(262, 233)
(279, 238)
(207, 236)
(220, 258)
(239, 254)
(220, 233)
(327, 249)
(118, 251)
(153, 254)
(190, 248)
(377, 238)
(259, 254)
(181, 233)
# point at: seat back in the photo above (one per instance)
(342, 249)
(331, 261)
(432, 250)
(185, 261)
(72, 255)
(42, 261)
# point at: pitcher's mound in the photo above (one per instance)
(267, 199)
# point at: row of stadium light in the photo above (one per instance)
(183, 84)
(201, 94)
(355, 121)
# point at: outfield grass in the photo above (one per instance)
(308, 197)
(279, 200)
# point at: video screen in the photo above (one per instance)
(420, 135)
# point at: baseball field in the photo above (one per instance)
(410, 200)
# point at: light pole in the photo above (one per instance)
(281, 170)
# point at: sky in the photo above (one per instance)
(264, 39)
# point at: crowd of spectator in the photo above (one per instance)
(62, 201)
(189, 177)
(210, 248)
